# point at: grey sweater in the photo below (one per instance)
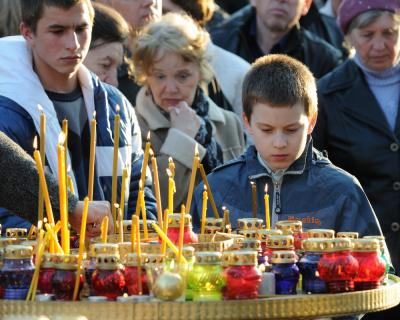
(19, 183)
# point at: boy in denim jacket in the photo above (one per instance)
(280, 112)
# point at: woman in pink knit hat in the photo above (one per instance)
(359, 118)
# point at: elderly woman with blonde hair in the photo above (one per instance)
(171, 63)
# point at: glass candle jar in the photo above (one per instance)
(173, 229)
(337, 267)
(249, 224)
(108, 280)
(347, 234)
(308, 265)
(255, 245)
(320, 233)
(383, 252)
(132, 274)
(46, 273)
(19, 233)
(206, 279)
(242, 276)
(214, 225)
(17, 271)
(64, 277)
(371, 266)
(263, 235)
(286, 271)
(292, 227)
(279, 243)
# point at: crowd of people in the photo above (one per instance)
(310, 88)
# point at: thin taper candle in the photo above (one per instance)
(156, 182)
(42, 149)
(196, 161)
(115, 167)
(210, 196)
(266, 202)
(92, 155)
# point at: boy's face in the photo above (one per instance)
(279, 133)
(60, 42)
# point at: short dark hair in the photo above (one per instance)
(109, 25)
(279, 81)
(32, 10)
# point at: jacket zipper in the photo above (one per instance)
(276, 201)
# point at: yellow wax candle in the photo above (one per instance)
(204, 210)
(164, 237)
(42, 149)
(165, 230)
(31, 231)
(139, 253)
(134, 218)
(62, 194)
(183, 208)
(226, 215)
(144, 218)
(171, 188)
(82, 236)
(92, 156)
(196, 161)
(144, 168)
(120, 223)
(123, 187)
(156, 182)
(210, 196)
(266, 202)
(254, 198)
(65, 143)
(104, 229)
(181, 233)
(54, 240)
(70, 185)
(43, 184)
(115, 168)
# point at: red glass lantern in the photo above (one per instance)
(173, 229)
(337, 267)
(46, 273)
(292, 227)
(371, 266)
(279, 243)
(131, 273)
(242, 276)
(108, 279)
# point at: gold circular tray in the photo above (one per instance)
(276, 307)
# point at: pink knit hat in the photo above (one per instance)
(349, 9)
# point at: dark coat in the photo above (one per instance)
(234, 35)
(353, 129)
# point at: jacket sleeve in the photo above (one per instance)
(19, 183)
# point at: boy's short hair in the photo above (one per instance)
(32, 10)
(279, 81)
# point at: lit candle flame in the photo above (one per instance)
(140, 184)
(169, 173)
(117, 108)
(266, 188)
(35, 143)
(40, 108)
(196, 150)
(94, 115)
(148, 136)
(151, 152)
(61, 138)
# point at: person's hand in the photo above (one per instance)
(185, 119)
(96, 212)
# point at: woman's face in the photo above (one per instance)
(172, 80)
(104, 60)
(377, 44)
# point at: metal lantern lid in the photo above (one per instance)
(174, 220)
(242, 258)
(366, 245)
(16, 233)
(66, 261)
(283, 257)
(107, 261)
(338, 244)
(132, 260)
(264, 234)
(314, 244)
(208, 257)
(251, 244)
(294, 226)
(321, 233)
(249, 223)
(347, 234)
(280, 242)
(15, 251)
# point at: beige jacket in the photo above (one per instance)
(169, 142)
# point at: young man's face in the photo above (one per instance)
(60, 42)
(280, 16)
(279, 133)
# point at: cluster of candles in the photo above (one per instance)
(260, 254)
(259, 262)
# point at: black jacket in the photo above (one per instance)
(234, 35)
(353, 129)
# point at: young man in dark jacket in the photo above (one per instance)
(45, 67)
(272, 26)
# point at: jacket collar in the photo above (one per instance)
(350, 79)
(156, 120)
(256, 170)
